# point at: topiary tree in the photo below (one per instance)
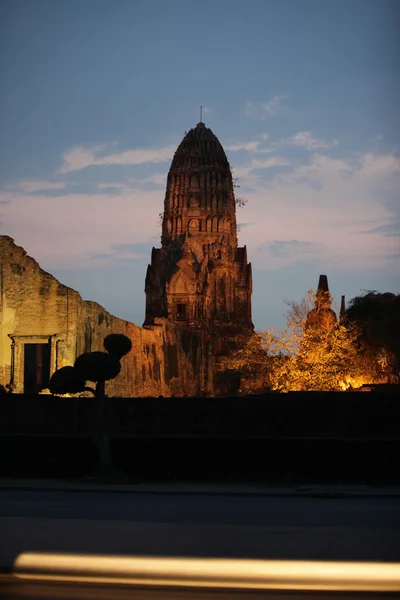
(117, 344)
(97, 367)
(67, 381)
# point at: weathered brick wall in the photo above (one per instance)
(35, 307)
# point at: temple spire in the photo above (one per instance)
(323, 296)
(199, 198)
(322, 316)
(343, 307)
(323, 284)
(200, 277)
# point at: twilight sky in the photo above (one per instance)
(304, 96)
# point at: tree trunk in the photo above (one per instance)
(102, 441)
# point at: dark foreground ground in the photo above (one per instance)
(229, 525)
(341, 440)
(242, 526)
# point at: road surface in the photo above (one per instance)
(231, 526)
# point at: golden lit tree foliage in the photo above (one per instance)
(302, 357)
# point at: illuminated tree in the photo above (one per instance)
(327, 360)
(301, 357)
(254, 361)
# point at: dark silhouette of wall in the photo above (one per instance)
(301, 437)
(296, 414)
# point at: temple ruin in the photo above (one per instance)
(198, 295)
(200, 277)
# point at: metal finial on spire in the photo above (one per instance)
(201, 114)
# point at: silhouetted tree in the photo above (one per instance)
(67, 381)
(97, 367)
(117, 344)
(377, 316)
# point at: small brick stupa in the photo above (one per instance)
(322, 316)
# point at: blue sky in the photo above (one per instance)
(304, 96)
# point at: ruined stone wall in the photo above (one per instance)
(36, 308)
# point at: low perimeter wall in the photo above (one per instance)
(315, 414)
(291, 437)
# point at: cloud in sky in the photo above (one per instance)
(305, 139)
(320, 203)
(252, 146)
(108, 89)
(325, 213)
(264, 110)
(272, 161)
(246, 172)
(256, 146)
(379, 163)
(292, 250)
(388, 229)
(80, 157)
(134, 183)
(122, 253)
(68, 230)
(302, 139)
(36, 185)
(339, 206)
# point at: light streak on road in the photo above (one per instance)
(209, 573)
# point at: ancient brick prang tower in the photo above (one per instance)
(200, 278)
(322, 317)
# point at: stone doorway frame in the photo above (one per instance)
(16, 383)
